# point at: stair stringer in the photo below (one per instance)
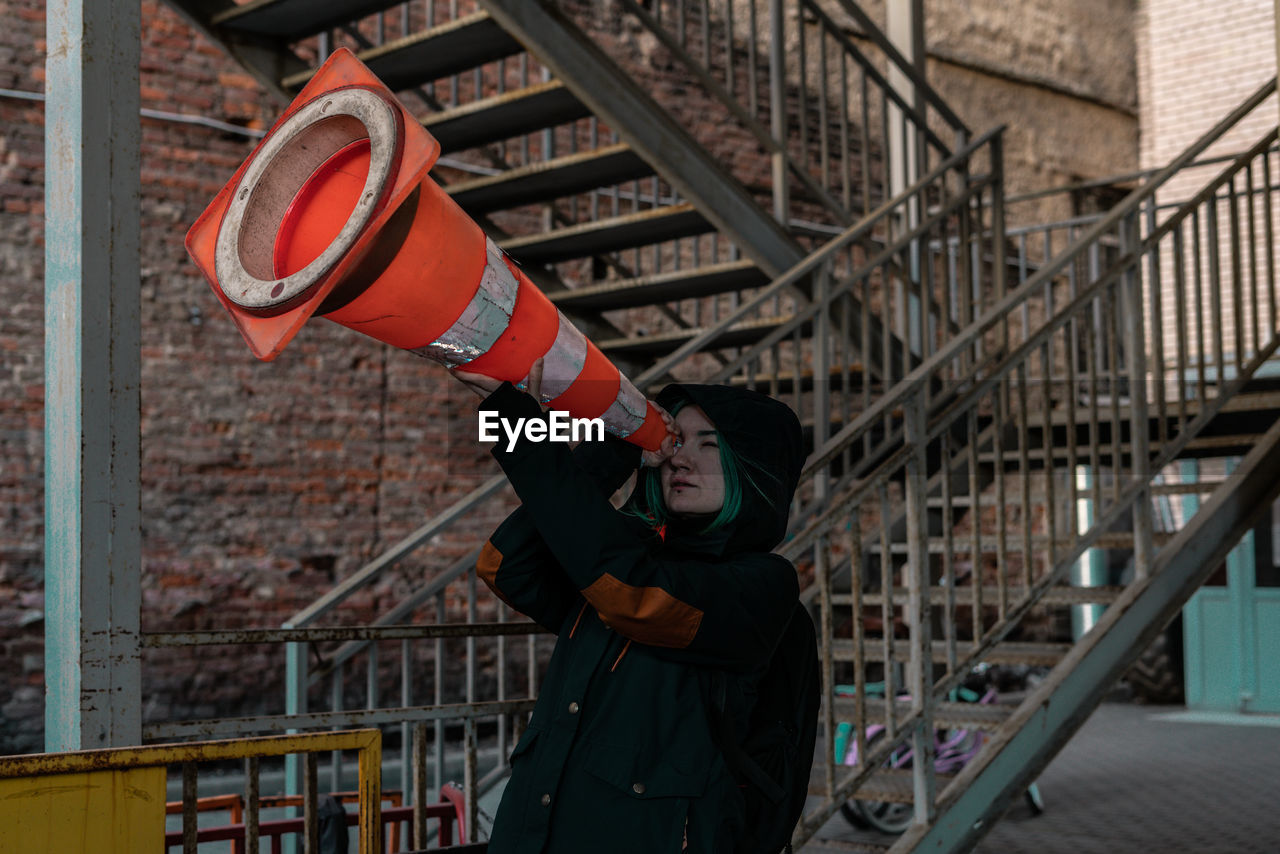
(1051, 714)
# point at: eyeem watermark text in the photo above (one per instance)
(558, 427)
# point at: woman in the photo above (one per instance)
(619, 755)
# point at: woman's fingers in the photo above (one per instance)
(479, 383)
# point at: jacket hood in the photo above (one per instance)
(766, 435)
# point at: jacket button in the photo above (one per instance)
(638, 788)
(573, 708)
(546, 800)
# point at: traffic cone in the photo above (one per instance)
(334, 215)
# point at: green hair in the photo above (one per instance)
(646, 501)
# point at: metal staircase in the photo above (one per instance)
(968, 532)
(962, 406)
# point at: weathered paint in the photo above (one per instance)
(113, 801)
(92, 552)
(107, 812)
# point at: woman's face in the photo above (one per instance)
(693, 479)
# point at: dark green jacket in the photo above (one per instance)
(618, 755)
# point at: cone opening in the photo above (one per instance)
(305, 198)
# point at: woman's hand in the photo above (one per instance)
(670, 443)
(485, 385)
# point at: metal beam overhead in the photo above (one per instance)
(92, 375)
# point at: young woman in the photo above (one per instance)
(619, 755)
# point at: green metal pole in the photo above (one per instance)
(92, 369)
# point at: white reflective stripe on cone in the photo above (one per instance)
(563, 362)
(484, 319)
(627, 412)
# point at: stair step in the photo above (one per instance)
(739, 335)
(1032, 654)
(447, 49)
(964, 596)
(1013, 543)
(504, 116)
(786, 382)
(1238, 442)
(550, 179)
(893, 785)
(1203, 487)
(608, 235)
(981, 716)
(290, 20)
(664, 287)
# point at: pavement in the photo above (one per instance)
(1146, 780)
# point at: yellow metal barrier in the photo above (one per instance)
(112, 801)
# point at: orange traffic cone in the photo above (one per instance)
(334, 214)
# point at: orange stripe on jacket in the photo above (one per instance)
(649, 615)
(487, 568)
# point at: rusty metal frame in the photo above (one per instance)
(367, 742)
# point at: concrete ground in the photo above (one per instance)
(1143, 779)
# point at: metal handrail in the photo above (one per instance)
(1000, 312)
(1117, 292)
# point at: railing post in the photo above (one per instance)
(295, 703)
(920, 677)
(822, 577)
(822, 374)
(778, 109)
(1139, 425)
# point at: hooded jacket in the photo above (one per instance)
(618, 755)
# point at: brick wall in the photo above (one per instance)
(261, 483)
(1197, 61)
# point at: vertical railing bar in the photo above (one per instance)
(1270, 245)
(1047, 441)
(706, 36)
(1072, 403)
(846, 186)
(1155, 285)
(886, 612)
(1111, 320)
(252, 799)
(420, 786)
(406, 700)
(1002, 508)
(438, 743)
(471, 779)
(1255, 322)
(824, 144)
(864, 149)
(1140, 424)
(864, 325)
(1095, 421)
(1180, 309)
(802, 105)
(778, 109)
(948, 557)
(729, 71)
(1215, 292)
(1201, 380)
(975, 516)
(858, 556)
(753, 97)
(1237, 275)
(337, 702)
(1024, 475)
(310, 797)
(920, 617)
(190, 794)
(822, 577)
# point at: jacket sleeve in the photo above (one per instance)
(515, 562)
(726, 614)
